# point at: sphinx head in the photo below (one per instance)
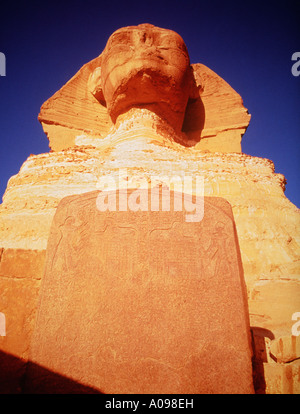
(145, 67)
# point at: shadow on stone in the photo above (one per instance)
(259, 357)
(13, 379)
(194, 119)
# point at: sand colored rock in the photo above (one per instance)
(135, 70)
(273, 303)
(21, 264)
(149, 67)
(73, 110)
(282, 378)
(267, 230)
(144, 301)
(20, 276)
(141, 142)
(276, 352)
(286, 349)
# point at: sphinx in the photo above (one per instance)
(142, 107)
(144, 74)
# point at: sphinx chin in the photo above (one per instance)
(149, 89)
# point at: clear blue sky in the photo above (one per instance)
(248, 43)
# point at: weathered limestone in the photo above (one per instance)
(20, 278)
(93, 134)
(282, 378)
(144, 301)
(145, 66)
(267, 230)
(145, 60)
(286, 349)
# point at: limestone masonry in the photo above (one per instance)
(141, 108)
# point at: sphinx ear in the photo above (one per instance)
(195, 84)
(95, 85)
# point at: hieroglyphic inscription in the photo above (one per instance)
(143, 301)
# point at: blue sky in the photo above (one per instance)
(249, 44)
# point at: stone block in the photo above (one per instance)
(18, 304)
(286, 348)
(22, 263)
(282, 378)
(143, 301)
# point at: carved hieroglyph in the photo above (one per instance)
(143, 301)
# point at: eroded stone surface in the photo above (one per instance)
(146, 67)
(149, 67)
(282, 378)
(22, 264)
(286, 348)
(20, 276)
(145, 143)
(273, 304)
(144, 302)
(266, 221)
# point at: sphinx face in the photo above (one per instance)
(145, 66)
